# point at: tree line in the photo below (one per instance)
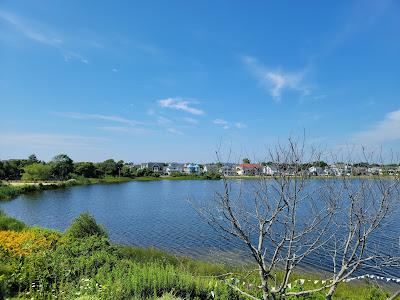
(62, 167)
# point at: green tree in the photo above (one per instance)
(32, 159)
(62, 165)
(84, 226)
(127, 171)
(108, 167)
(85, 169)
(11, 169)
(120, 164)
(37, 172)
(246, 160)
(320, 164)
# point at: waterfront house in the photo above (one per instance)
(360, 171)
(191, 168)
(153, 166)
(270, 170)
(375, 171)
(228, 170)
(173, 168)
(328, 171)
(248, 169)
(211, 168)
(316, 171)
(340, 169)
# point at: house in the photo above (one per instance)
(248, 169)
(153, 166)
(360, 171)
(341, 169)
(211, 168)
(173, 168)
(328, 171)
(228, 170)
(374, 171)
(191, 169)
(316, 171)
(270, 170)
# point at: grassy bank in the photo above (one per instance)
(83, 264)
(13, 189)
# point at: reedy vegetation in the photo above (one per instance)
(83, 264)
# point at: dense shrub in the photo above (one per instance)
(9, 223)
(84, 226)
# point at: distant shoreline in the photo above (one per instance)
(12, 189)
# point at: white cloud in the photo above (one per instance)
(226, 124)
(221, 122)
(84, 116)
(276, 81)
(41, 34)
(179, 104)
(384, 131)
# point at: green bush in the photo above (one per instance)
(9, 223)
(84, 226)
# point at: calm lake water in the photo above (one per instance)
(154, 213)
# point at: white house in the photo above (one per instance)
(153, 166)
(210, 168)
(316, 171)
(227, 170)
(270, 170)
(248, 169)
(174, 168)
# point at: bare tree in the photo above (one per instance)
(284, 218)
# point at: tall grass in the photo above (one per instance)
(43, 264)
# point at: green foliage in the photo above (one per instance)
(9, 223)
(37, 172)
(84, 226)
(10, 191)
(62, 165)
(145, 172)
(65, 267)
(320, 164)
(32, 159)
(86, 169)
(11, 169)
(246, 160)
(108, 168)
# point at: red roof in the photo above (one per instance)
(250, 165)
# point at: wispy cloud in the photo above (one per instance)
(226, 124)
(85, 116)
(384, 131)
(240, 125)
(221, 122)
(125, 130)
(51, 141)
(276, 81)
(180, 104)
(174, 131)
(40, 33)
(191, 121)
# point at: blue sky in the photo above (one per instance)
(175, 80)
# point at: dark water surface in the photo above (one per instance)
(154, 213)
